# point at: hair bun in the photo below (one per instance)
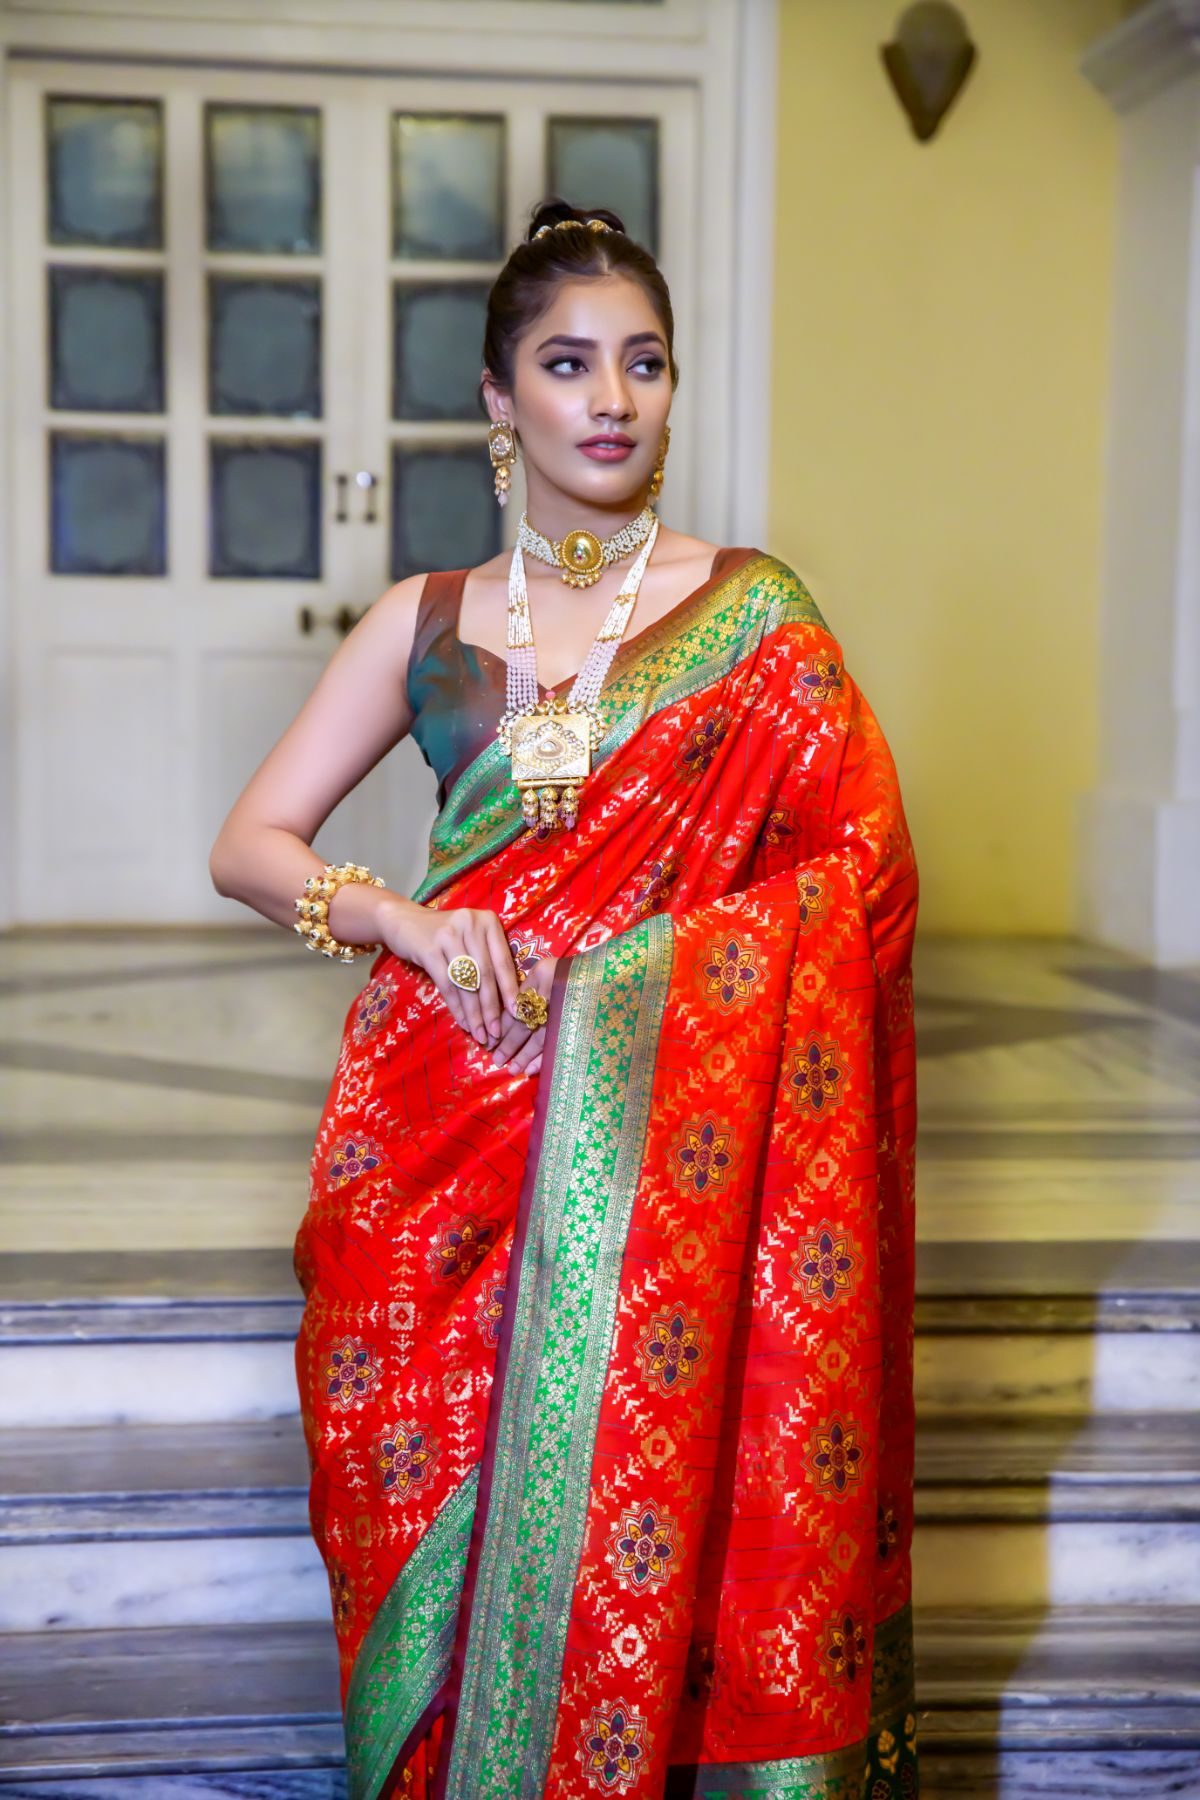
(556, 211)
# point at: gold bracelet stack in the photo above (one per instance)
(313, 907)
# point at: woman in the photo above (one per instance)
(607, 1375)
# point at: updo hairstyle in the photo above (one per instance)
(524, 288)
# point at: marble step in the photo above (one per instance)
(158, 1525)
(1105, 1774)
(1071, 1327)
(83, 1366)
(118, 1703)
(1084, 1696)
(1154, 1284)
(1057, 1328)
(1058, 1511)
(160, 1360)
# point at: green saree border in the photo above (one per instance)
(482, 813)
(882, 1766)
(405, 1657)
(563, 1320)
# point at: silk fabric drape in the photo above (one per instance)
(607, 1375)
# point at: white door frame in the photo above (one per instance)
(1139, 826)
(723, 50)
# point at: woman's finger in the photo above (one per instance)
(512, 1037)
(504, 968)
(450, 995)
(476, 1001)
(531, 1048)
(497, 974)
(450, 944)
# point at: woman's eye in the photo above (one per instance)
(653, 365)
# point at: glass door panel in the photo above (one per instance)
(104, 171)
(263, 188)
(608, 162)
(248, 317)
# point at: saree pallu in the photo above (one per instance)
(607, 1373)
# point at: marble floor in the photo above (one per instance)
(161, 1090)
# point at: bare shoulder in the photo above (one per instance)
(681, 547)
(392, 619)
(402, 597)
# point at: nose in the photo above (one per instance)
(612, 398)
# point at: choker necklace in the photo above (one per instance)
(582, 555)
(551, 741)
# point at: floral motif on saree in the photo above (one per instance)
(625, 1505)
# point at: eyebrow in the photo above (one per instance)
(578, 343)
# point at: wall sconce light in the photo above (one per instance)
(928, 62)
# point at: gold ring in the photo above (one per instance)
(531, 1008)
(464, 973)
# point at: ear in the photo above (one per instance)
(498, 400)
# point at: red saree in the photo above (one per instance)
(607, 1373)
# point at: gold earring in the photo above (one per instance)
(656, 480)
(502, 449)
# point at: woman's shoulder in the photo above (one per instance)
(772, 575)
(403, 593)
(681, 546)
(389, 626)
(781, 596)
(785, 581)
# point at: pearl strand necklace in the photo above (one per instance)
(551, 741)
(582, 555)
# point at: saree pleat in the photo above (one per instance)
(607, 1375)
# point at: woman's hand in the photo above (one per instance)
(521, 1048)
(432, 939)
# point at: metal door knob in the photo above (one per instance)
(343, 620)
(369, 483)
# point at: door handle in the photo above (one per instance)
(343, 620)
(365, 480)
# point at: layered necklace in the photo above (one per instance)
(581, 555)
(551, 741)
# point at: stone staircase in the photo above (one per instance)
(165, 1616)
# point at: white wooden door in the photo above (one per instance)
(247, 316)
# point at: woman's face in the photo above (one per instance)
(593, 366)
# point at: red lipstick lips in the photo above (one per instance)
(608, 446)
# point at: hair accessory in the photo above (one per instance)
(565, 224)
(464, 973)
(502, 448)
(551, 741)
(313, 907)
(582, 555)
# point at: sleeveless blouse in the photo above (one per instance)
(456, 690)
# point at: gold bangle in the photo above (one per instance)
(313, 907)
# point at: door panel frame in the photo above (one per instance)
(723, 51)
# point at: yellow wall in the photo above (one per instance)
(940, 372)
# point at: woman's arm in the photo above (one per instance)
(356, 713)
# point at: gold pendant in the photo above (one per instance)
(551, 754)
(582, 557)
